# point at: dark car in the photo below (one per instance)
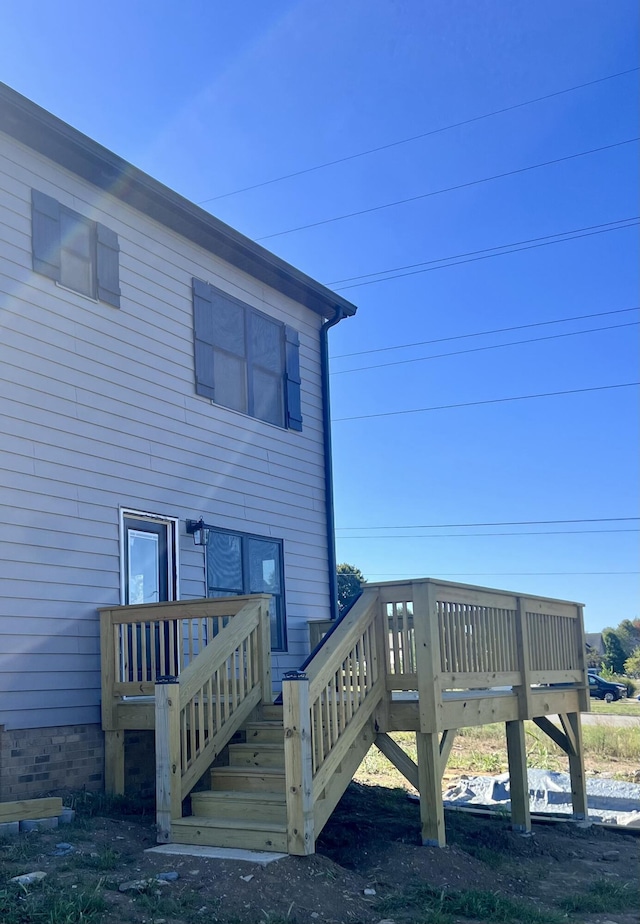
(605, 689)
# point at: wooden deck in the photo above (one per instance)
(425, 656)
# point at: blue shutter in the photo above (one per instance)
(203, 338)
(292, 378)
(45, 235)
(108, 266)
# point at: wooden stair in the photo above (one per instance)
(246, 806)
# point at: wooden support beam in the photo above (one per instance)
(298, 767)
(430, 789)
(427, 640)
(399, 758)
(28, 809)
(572, 750)
(114, 762)
(553, 732)
(576, 768)
(522, 646)
(168, 760)
(446, 743)
(518, 783)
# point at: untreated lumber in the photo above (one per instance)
(28, 809)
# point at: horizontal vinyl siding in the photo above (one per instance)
(98, 411)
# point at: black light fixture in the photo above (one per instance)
(198, 530)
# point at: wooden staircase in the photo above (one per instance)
(246, 805)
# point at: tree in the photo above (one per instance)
(632, 664)
(629, 634)
(614, 653)
(350, 580)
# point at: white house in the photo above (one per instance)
(157, 369)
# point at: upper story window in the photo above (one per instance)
(245, 360)
(80, 254)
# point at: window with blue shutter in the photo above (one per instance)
(245, 360)
(77, 253)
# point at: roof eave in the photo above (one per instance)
(45, 133)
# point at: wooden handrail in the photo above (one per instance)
(326, 709)
(197, 713)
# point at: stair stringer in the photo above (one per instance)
(338, 783)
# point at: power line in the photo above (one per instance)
(438, 192)
(482, 333)
(555, 532)
(504, 523)
(473, 256)
(434, 131)
(446, 407)
(495, 346)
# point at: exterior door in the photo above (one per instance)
(150, 577)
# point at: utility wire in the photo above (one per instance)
(446, 407)
(437, 192)
(483, 333)
(503, 523)
(494, 346)
(555, 532)
(426, 266)
(434, 131)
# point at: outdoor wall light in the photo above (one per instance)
(198, 530)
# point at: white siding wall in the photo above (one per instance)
(98, 411)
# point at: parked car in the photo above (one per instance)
(605, 689)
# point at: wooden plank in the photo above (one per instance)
(484, 679)
(218, 741)
(222, 647)
(168, 762)
(264, 652)
(522, 648)
(107, 668)
(298, 767)
(114, 762)
(401, 682)
(550, 676)
(581, 651)
(338, 646)
(430, 789)
(353, 729)
(553, 732)
(518, 784)
(576, 768)
(425, 620)
(136, 716)
(446, 743)
(398, 757)
(28, 809)
(180, 609)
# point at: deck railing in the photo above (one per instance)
(215, 655)
(324, 711)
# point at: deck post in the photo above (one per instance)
(114, 762)
(518, 783)
(430, 788)
(427, 638)
(573, 727)
(264, 655)
(381, 655)
(525, 710)
(584, 697)
(298, 765)
(168, 760)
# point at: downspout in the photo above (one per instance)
(328, 461)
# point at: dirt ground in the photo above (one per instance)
(486, 874)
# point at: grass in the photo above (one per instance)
(603, 895)
(482, 749)
(621, 707)
(439, 906)
(44, 904)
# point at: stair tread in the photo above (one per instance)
(239, 824)
(255, 771)
(230, 794)
(257, 745)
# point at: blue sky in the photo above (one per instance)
(213, 97)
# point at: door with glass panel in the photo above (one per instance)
(149, 577)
